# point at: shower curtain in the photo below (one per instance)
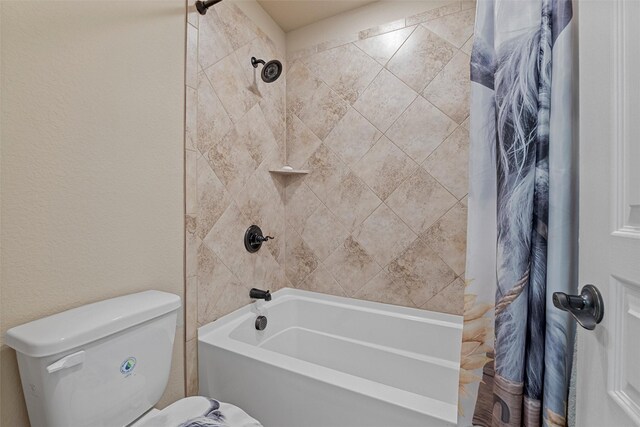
(522, 227)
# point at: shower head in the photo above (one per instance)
(270, 71)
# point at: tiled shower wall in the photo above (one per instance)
(380, 120)
(235, 133)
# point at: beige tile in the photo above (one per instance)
(327, 170)
(301, 85)
(339, 41)
(301, 142)
(448, 237)
(261, 271)
(232, 297)
(466, 124)
(383, 289)
(301, 203)
(191, 177)
(254, 132)
(213, 122)
(352, 201)
(384, 167)
(191, 350)
(192, 241)
(352, 266)
(355, 72)
(231, 86)
(433, 13)
(279, 280)
(274, 112)
(420, 201)
(226, 238)
(260, 202)
(420, 58)
(455, 28)
(468, 46)
(468, 4)
(191, 307)
(191, 67)
(213, 278)
(450, 90)
(191, 119)
(420, 129)
(261, 49)
(323, 233)
(213, 198)
(238, 28)
(449, 300)
(323, 111)
(383, 47)
(192, 13)
(272, 95)
(321, 281)
(384, 235)
(231, 162)
(422, 271)
(277, 52)
(384, 100)
(449, 164)
(275, 181)
(213, 44)
(301, 260)
(301, 53)
(381, 29)
(352, 137)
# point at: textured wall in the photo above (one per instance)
(235, 134)
(379, 119)
(92, 162)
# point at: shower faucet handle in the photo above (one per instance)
(253, 238)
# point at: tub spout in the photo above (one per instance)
(259, 294)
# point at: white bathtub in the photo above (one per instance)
(327, 361)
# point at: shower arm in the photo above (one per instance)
(255, 62)
(202, 6)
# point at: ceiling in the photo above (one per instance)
(293, 14)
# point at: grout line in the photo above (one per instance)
(343, 164)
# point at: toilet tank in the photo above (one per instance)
(101, 364)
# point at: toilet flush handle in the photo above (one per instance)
(67, 362)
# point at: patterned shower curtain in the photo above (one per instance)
(522, 229)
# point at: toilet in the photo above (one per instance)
(107, 364)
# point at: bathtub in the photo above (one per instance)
(326, 361)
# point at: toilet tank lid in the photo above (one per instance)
(79, 326)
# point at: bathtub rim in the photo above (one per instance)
(217, 334)
(285, 294)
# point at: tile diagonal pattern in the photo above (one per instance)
(379, 118)
(390, 172)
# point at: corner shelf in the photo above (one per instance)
(287, 172)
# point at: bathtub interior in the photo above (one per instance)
(412, 350)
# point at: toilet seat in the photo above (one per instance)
(197, 408)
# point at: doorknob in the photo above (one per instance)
(587, 308)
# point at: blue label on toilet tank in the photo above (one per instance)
(128, 365)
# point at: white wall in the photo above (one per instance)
(92, 138)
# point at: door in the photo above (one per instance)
(608, 380)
